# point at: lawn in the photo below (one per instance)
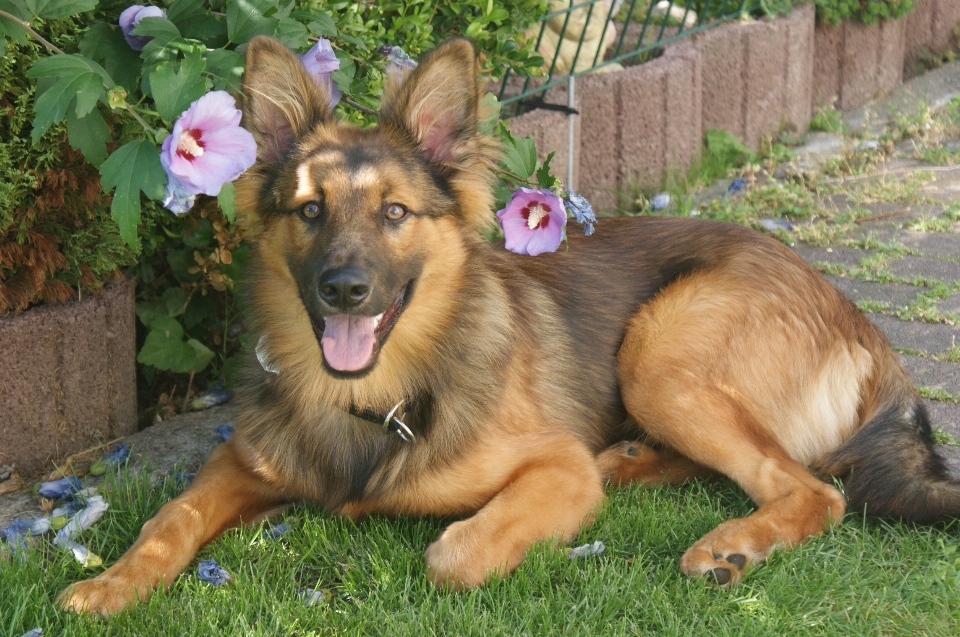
(864, 577)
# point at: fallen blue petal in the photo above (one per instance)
(581, 210)
(276, 531)
(214, 396)
(587, 550)
(772, 225)
(82, 554)
(67, 510)
(112, 459)
(84, 519)
(36, 632)
(659, 202)
(15, 532)
(312, 597)
(59, 489)
(225, 431)
(398, 63)
(211, 572)
(736, 185)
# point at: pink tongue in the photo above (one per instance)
(348, 341)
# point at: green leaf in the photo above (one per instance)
(519, 155)
(50, 9)
(174, 301)
(132, 168)
(89, 134)
(163, 32)
(245, 19)
(343, 77)
(79, 80)
(490, 105)
(194, 20)
(202, 355)
(11, 29)
(544, 179)
(106, 45)
(164, 347)
(227, 200)
(173, 91)
(291, 33)
(225, 68)
(181, 12)
(318, 22)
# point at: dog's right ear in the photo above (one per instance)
(281, 100)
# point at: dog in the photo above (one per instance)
(405, 365)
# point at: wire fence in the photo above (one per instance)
(593, 34)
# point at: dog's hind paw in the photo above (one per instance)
(104, 594)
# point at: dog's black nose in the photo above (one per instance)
(344, 288)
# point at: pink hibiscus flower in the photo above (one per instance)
(207, 147)
(129, 19)
(320, 61)
(533, 222)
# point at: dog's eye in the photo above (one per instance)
(395, 212)
(310, 210)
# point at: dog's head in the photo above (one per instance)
(357, 221)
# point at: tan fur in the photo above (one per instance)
(529, 381)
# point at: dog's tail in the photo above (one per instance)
(892, 469)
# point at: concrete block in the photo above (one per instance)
(722, 63)
(798, 106)
(859, 58)
(642, 118)
(827, 75)
(68, 377)
(765, 75)
(893, 39)
(918, 32)
(856, 62)
(946, 17)
(599, 176)
(684, 97)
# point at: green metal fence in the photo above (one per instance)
(639, 32)
(640, 28)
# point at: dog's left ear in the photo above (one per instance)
(438, 105)
(437, 102)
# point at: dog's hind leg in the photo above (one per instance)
(634, 462)
(550, 497)
(225, 491)
(732, 381)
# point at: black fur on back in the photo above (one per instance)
(893, 470)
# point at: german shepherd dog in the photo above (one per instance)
(506, 390)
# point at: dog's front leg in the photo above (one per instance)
(225, 491)
(551, 496)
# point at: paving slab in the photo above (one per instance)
(950, 304)
(840, 255)
(932, 338)
(929, 267)
(927, 372)
(895, 294)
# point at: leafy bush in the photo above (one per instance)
(56, 234)
(867, 11)
(92, 92)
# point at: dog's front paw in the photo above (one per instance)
(105, 594)
(458, 559)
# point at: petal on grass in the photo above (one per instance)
(212, 573)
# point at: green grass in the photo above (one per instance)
(861, 578)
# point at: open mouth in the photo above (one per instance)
(350, 344)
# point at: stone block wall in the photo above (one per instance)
(67, 377)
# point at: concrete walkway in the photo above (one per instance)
(901, 260)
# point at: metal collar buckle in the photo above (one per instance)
(393, 424)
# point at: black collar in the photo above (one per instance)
(391, 421)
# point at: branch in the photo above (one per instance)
(26, 27)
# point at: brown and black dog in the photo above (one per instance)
(657, 350)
